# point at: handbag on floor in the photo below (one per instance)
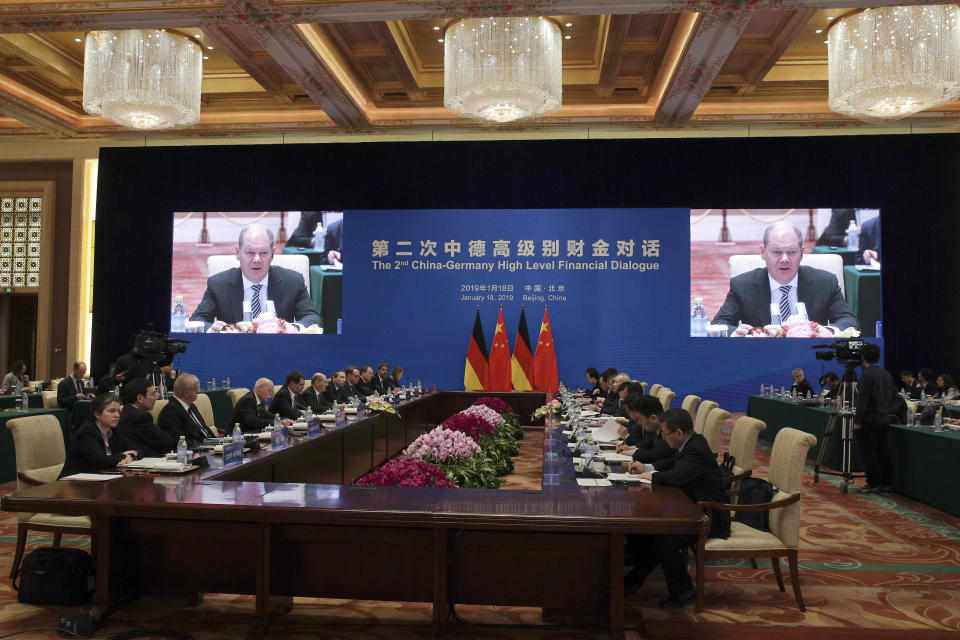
(55, 575)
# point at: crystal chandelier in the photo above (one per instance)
(143, 79)
(502, 69)
(891, 62)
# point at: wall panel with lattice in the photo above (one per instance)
(21, 231)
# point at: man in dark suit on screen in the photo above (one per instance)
(786, 283)
(181, 417)
(255, 281)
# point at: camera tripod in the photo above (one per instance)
(842, 413)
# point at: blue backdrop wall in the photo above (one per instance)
(637, 323)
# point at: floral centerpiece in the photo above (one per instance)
(379, 406)
(262, 325)
(552, 408)
(506, 411)
(470, 424)
(407, 472)
(441, 445)
(795, 328)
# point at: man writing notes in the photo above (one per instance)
(251, 412)
(255, 282)
(786, 283)
(70, 388)
(180, 417)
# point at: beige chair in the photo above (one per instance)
(236, 394)
(702, 412)
(276, 389)
(643, 385)
(741, 263)
(202, 403)
(158, 407)
(300, 264)
(40, 454)
(743, 443)
(713, 427)
(49, 399)
(689, 405)
(787, 460)
(655, 390)
(666, 397)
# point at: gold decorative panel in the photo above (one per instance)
(21, 232)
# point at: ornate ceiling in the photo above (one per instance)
(377, 65)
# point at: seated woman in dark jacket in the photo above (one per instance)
(96, 445)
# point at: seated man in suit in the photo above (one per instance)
(786, 283)
(285, 404)
(927, 382)
(831, 384)
(801, 385)
(381, 381)
(136, 422)
(909, 384)
(111, 381)
(255, 281)
(869, 241)
(694, 470)
(606, 378)
(314, 397)
(650, 446)
(365, 384)
(349, 388)
(332, 236)
(251, 412)
(336, 393)
(71, 388)
(181, 417)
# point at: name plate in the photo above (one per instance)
(313, 428)
(232, 453)
(276, 439)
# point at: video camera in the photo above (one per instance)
(849, 350)
(158, 348)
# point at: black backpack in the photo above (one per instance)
(55, 575)
(755, 491)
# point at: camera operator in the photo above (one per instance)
(871, 421)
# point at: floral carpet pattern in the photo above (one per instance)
(871, 567)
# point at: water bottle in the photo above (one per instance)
(226, 382)
(853, 237)
(910, 417)
(821, 400)
(276, 423)
(341, 420)
(318, 239)
(182, 451)
(923, 396)
(698, 318)
(237, 434)
(308, 416)
(938, 420)
(178, 318)
(761, 389)
(24, 402)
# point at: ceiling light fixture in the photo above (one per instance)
(502, 68)
(143, 79)
(891, 62)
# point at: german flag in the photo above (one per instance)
(476, 372)
(545, 359)
(521, 365)
(500, 358)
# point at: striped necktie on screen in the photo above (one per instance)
(255, 303)
(784, 302)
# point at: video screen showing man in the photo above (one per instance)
(784, 281)
(255, 282)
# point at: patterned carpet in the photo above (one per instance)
(871, 567)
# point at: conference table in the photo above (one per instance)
(289, 523)
(923, 459)
(34, 401)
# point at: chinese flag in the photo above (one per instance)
(475, 373)
(545, 360)
(500, 358)
(521, 364)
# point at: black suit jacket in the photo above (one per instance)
(223, 298)
(176, 422)
(869, 238)
(303, 235)
(336, 395)
(802, 388)
(365, 389)
(380, 385)
(136, 425)
(835, 235)
(67, 393)
(651, 447)
(392, 384)
(251, 415)
(611, 403)
(283, 404)
(694, 470)
(87, 452)
(748, 300)
(317, 402)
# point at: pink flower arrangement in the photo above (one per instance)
(497, 404)
(441, 444)
(407, 472)
(492, 418)
(472, 425)
(267, 325)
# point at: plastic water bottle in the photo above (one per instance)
(923, 396)
(276, 423)
(853, 236)
(178, 318)
(308, 416)
(910, 417)
(319, 242)
(182, 451)
(237, 434)
(341, 420)
(24, 402)
(938, 420)
(698, 318)
(821, 401)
